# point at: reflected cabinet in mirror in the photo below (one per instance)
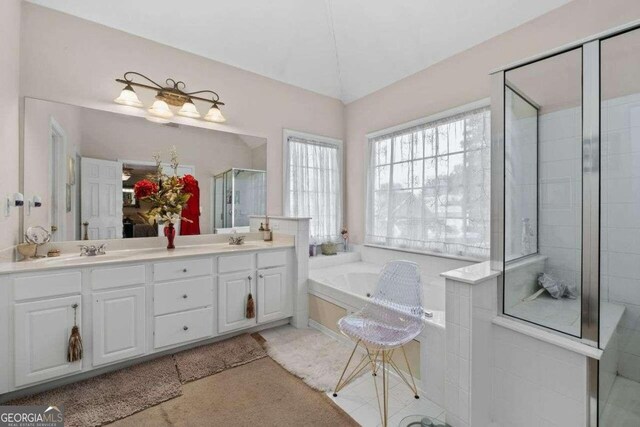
(543, 192)
(83, 164)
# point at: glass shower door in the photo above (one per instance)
(543, 192)
(619, 368)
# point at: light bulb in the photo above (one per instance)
(215, 115)
(160, 109)
(189, 110)
(128, 97)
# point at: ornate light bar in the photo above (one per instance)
(174, 95)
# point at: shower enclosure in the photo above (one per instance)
(566, 206)
(237, 195)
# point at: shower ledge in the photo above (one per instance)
(548, 337)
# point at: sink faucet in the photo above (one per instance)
(93, 250)
(234, 239)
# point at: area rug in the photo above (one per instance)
(114, 395)
(210, 359)
(309, 354)
(260, 393)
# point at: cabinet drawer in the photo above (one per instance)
(49, 285)
(105, 278)
(172, 297)
(181, 269)
(183, 327)
(272, 259)
(228, 264)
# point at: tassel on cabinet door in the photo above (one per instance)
(251, 307)
(74, 352)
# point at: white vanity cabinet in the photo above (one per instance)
(233, 293)
(274, 294)
(41, 332)
(268, 284)
(43, 315)
(135, 308)
(182, 301)
(118, 325)
(118, 312)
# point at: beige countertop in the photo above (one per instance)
(71, 260)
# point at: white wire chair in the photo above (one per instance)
(391, 319)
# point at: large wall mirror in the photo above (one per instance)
(80, 165)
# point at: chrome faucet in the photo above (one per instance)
(234, 239)
(93, 250)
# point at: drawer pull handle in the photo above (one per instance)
(184, 270)
(184, 296)
(262, 276)
(249, 277)
(184, 328)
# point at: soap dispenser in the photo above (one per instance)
(267, 235)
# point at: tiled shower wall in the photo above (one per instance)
(560, 198)
(620, 222)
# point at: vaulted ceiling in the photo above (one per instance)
(345, 49)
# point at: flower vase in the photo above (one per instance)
(170, 232)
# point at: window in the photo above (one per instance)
(428, 186)
(313, 183)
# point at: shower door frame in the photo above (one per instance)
(591, 204)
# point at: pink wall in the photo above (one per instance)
(9, 113)
(462, 79)
(79, 65)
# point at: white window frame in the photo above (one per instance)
(466, 108)
(286, 133)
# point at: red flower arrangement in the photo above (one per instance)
(145, 188)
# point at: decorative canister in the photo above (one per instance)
(329, 248)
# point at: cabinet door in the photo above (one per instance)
(118, 325)
(273, 294)
(233, 291)
(41, 337)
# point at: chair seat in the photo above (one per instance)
(381, 327)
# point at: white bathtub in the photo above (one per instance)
(352, 283)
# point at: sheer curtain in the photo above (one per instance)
(313, 185)
(429, 186)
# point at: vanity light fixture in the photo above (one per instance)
(189, 110)
(128, 97)
(215, 115)
(160, 110)
(171, 95)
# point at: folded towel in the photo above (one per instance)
(556, 288)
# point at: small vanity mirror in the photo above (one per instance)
(80, 166)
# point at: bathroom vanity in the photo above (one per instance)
(135, 303)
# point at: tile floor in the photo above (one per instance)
(623, 407)
(358, 399)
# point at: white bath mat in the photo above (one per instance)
(309, 354)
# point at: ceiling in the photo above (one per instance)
(345, 49)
